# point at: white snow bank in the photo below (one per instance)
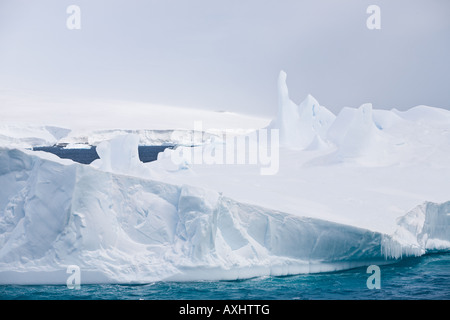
(425, 114)
(124, 229)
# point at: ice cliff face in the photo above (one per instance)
(119, 228)
(423, 229)
(124, 229)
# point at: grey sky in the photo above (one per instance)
(226, 55)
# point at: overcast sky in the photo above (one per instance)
(226, 54)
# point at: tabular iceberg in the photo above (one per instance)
(124, 229)
(363, 187)
(120, 228)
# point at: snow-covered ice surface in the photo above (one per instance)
(361, 187)
(30, 120)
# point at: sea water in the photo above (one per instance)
(426, 278)
(87, 155)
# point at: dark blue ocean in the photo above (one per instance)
(86, 156)
(424, 278)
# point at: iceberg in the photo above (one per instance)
(364, 187)
(133, 230)
(31, 121)
(28, 136)
(357, 136)
(423, 229)
(120, 155)
(123, 229)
